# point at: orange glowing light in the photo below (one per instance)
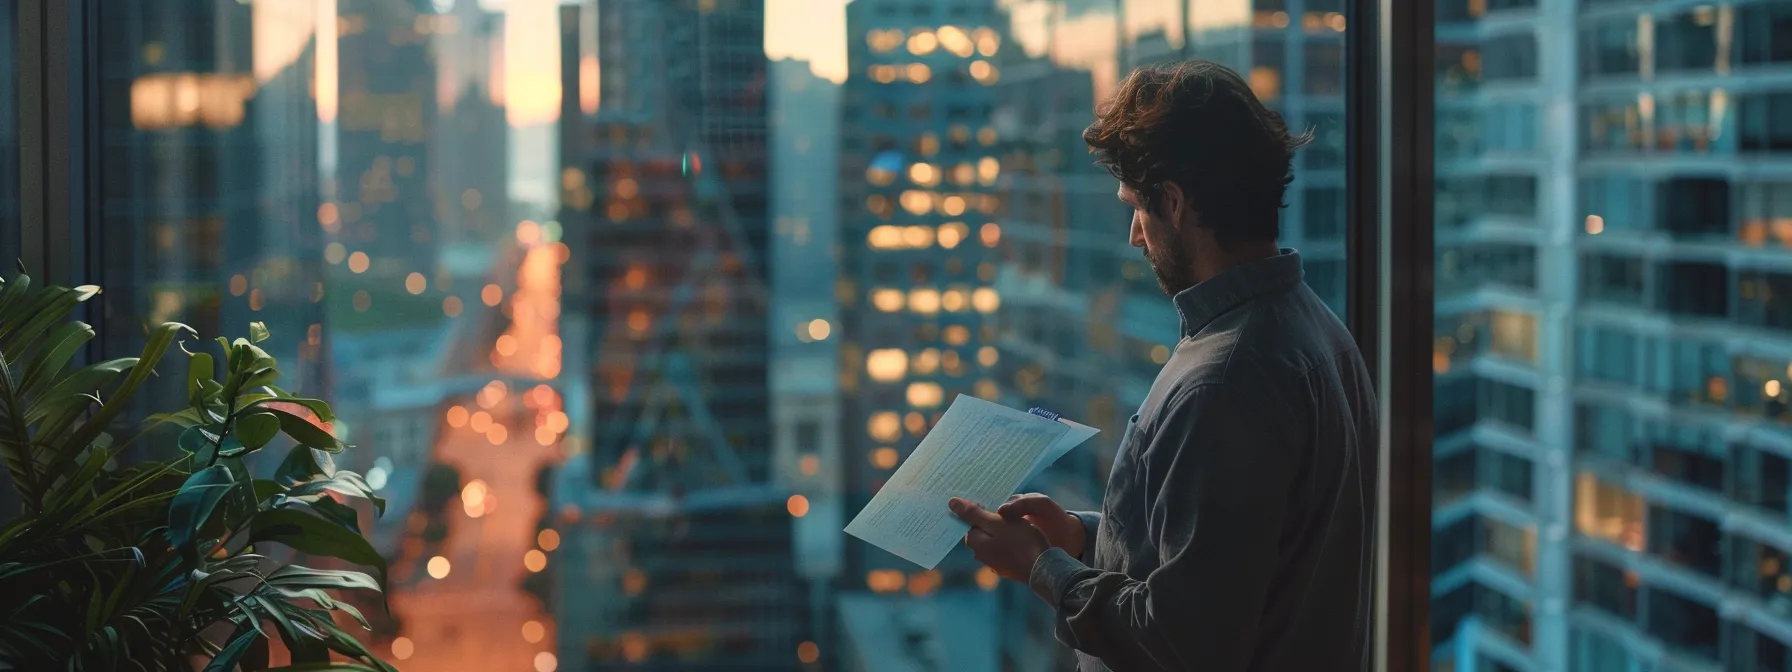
(545, 436)
(491, 294)
(798, 505)
(547, 539)
(480, 421)
(506, 345)
(527, 232)
(451, 306)
(457, 417)
(497, 435)
(535, 560)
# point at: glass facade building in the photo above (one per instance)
(1611, 425)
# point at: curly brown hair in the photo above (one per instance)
(1199, 125)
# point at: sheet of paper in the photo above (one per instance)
(1071, 439)
(979, 451)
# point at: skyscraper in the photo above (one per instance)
(1611, 360)
(209, 185)
(805, 404)
(673, 519)
(919, 226)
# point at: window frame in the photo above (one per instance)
(1389, 257)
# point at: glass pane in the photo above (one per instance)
(1609, 322)
(626, 305)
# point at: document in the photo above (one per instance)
(980, 451)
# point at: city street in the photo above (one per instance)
(474, 618)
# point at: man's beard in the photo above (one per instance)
(1171, 264)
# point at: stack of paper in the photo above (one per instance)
(978, 451)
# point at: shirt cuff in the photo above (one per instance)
(1052, 574)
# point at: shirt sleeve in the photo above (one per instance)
(1217, 484)
(1091, 524)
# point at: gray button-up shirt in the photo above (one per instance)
(1236, 532)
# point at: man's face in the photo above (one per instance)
(1159, 236)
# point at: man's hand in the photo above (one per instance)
(1061, 529)
(1009, 546)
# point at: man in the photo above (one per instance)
(1236, 530)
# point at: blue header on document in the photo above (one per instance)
(1044, 413)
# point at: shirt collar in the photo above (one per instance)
(1200, 304)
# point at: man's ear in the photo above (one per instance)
(1175, 203)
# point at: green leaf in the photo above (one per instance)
(299, 576)
(200, 367)
(199, 440)
(306, 533)
(344, 482)
(257, 429)
(185, 417)
(304, 463)
(160, 338)
(266, 489)
(258, 332)
(62, 345)
(239, 644)
(306, 432)
(193, 506)
(333, 511)
(15, 440)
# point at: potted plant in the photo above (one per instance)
(166, 564)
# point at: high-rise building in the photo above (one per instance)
(919, 225)
(209, 184)
(387, 99)
(1612, 327)
(805, 403)
(677, 539)
(470, 150)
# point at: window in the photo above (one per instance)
(1612, 278)
(1686, 41)
(1594, 652)
(1686, 540)
(1323, 209)
(1608, 512)
(653, 241)
(1325, 67)
(1761, 29)
(1510, 57)
(1682, 624)
(1765, 121)
(1605, 587)
(1610, 49)
(1327, 149)
(1691, 207)
(1686, 288)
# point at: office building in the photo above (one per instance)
(209, 189)
(805, 404)
(1612, 426)
(920, 223)
(675, 535)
